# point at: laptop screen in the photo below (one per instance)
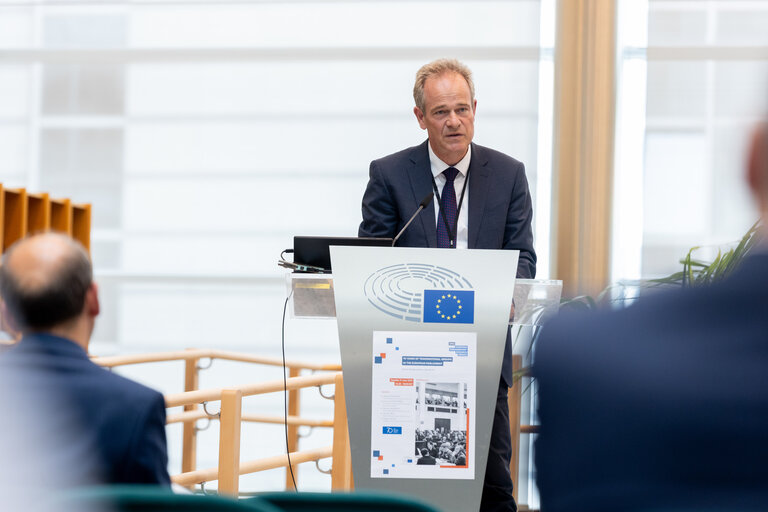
(313, 250)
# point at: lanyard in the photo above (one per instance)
(452, 233)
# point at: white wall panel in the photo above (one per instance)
(743, 28)
(14, 90)
(16, 27)
(313, 144)
(13, 149)
(278, 88)
(740, 89)
(271, 205)
(363, 24)
(676, 186)
(677, 89)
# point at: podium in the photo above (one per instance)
(316, 297)
(422, 335)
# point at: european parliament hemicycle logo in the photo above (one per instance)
(418, 292)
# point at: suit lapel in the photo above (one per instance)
(420, 175)
(479, 180)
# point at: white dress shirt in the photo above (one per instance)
(438, 166)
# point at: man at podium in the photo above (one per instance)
(482, 201)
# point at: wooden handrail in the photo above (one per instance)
(212, 395)
(255, 418)
(184, 355)
(277, 461)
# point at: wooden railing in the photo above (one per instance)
(230, 417)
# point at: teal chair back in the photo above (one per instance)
(149, 498)
(359, 501)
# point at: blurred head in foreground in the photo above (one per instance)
(662, 405)
(46, 283)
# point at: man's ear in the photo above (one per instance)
(420, 117)
(92, 305)
(757, 164)
(474, 107)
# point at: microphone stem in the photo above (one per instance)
(394, 241)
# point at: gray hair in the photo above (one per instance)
(436, 68)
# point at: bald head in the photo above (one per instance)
(44, 280)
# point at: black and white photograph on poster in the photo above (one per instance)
(423, 405)
(441, 432)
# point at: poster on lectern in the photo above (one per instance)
(423, 404)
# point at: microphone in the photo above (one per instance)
(424, 203)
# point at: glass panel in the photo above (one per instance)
(106, 328)
(15, 27)
(14, 91)
(273, 205)
(729, 163)
(13, 149)
(743, 28)
(280, 88)
(677, 88)
(245, 253)
(84, 31)
(86, 153)
(106, 254)
(676, 177)
(677, 28)
(740, 89)
(175, 316)
(72, 89)
(331, 144)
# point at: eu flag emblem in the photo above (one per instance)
(449, 306)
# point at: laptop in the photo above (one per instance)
(313, 250)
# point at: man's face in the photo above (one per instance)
(448, 116)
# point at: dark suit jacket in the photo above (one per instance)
(663, 404)
(499, 217)
(99, 427)
(426, 460)
(500, 210)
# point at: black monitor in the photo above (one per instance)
(313, 250)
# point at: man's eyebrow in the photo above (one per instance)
(444, 106)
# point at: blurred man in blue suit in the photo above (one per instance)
(662, 405)
(80, 422)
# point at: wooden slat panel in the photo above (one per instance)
(61, 215)
(15, 216)
(38, 213)
(81, 224)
